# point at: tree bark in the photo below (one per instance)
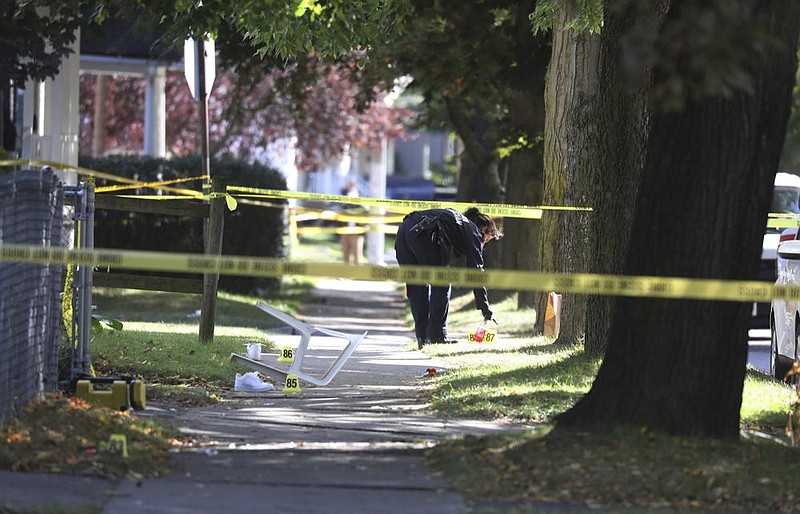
(524, 180)
(571, 137)
(523, 186)
(556, 120)
(616, 161)
(480, 178)
(468, 172)
(678, 365)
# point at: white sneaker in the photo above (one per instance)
(249, 382)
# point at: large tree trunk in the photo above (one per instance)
(479, 179)
(468, 171)
(679, 365)
(615, 161)
(569, 159)
(555, 172)
(523, 186)
(524, 180)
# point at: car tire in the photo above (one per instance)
(795, 378)
(777, 367)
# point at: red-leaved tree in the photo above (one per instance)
(314, 101)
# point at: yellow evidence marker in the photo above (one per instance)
(286, 354)
(488, 337)
(292, 384)
(118, 444)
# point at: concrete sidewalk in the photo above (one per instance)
(352, 446)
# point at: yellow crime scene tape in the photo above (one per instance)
(500, 210)
(395, 205)
(775, 220)
(583, 283)
(783, 220)
(231, 202)
(99, 174)
(155, 184)
(521, 211)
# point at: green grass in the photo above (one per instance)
(326, 248)
(629, 469)
(317, 248)
(159, 339)
(765, 402)
(518, 376)
(171, 354)
(523, 377)
(182, 308)
(526, 378)
(512, 378)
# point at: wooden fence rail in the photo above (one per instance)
(213, 212)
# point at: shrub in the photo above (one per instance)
(249, 230)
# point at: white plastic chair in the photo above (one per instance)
(306, 331)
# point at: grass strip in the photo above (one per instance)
(526, 378)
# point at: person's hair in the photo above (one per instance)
(484, 221)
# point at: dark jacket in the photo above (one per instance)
(456, 235)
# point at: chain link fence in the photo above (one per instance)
(31, 212)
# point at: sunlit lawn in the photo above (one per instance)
(517, 376)
(159, 339)
(526, 377)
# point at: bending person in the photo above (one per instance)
(436, 237)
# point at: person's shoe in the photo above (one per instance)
(421, 343)
(250, 383)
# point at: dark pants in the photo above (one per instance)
(429, 304)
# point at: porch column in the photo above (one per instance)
(155, 112)
(51, 114)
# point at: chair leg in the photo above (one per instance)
(306, 332)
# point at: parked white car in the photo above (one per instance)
(785, 314)
(785, 199)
